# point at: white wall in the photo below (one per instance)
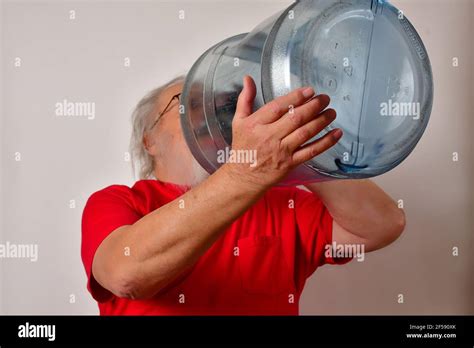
(67, 159)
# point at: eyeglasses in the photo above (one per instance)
(176, 96)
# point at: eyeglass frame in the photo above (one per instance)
(176, 96)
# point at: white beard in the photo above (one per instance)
(179, 168)
(190, 176)
(198, 174)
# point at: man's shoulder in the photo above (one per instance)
(137, 188)
(143, 195)
(111, 191)
(110, 194)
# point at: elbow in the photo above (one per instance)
(126, 287)
(395, 225)
(399, 223)
(129, 284)
(128, 280)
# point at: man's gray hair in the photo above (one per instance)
(142, 118)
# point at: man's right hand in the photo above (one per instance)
(277, 132)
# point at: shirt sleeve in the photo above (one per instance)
(104, 212)
(314, 223)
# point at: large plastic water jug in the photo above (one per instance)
(364, 54)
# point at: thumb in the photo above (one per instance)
(246, 98)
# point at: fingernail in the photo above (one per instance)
(337, 133)
(326, 96)
(308, 92)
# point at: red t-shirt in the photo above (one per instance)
(258, 266)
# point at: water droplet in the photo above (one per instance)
(348, 70)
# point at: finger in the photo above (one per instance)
(301, 135)
(298, 117)
(275, 109)
(246, 98)
(317, 147)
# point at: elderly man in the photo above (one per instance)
(182, 242)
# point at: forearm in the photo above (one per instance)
(359, 206)
(167, 241)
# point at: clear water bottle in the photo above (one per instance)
(364, 54)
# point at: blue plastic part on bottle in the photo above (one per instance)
(364, 54)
